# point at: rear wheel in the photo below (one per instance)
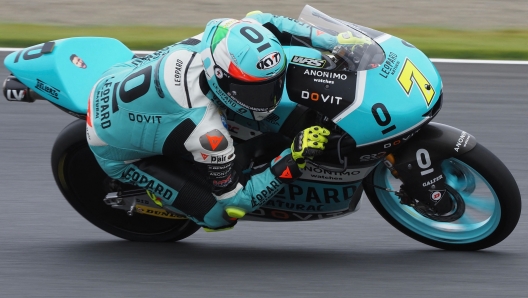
(82, 183)
(486, 203)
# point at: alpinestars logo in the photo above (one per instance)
(214, 141)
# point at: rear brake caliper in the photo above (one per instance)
(140, 201)
(125, 200)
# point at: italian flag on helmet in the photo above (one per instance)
(245, 66)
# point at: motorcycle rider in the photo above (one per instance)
(172, 103)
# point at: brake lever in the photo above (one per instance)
(343, 161)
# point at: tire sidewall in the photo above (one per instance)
(71, 139)
(497, 176)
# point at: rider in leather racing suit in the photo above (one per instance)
(171, 103)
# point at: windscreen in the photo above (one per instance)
(353, 50)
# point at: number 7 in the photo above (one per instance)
(408, 73)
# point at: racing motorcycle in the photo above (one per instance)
(433, 182)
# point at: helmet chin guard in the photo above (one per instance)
(244, 65)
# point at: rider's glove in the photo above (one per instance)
(347, 38)
(350, 47)
(309, 143)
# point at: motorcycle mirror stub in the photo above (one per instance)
(48, 47)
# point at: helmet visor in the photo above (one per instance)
(255, 96)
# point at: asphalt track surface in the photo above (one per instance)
(48, 250)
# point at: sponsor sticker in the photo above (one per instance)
(269, 61)
(308, 61)
(314, 96)
(214, 141)
(437, 195)
(44, 87)
(142, 209)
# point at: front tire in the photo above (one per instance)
(491, 202)
(81, 181)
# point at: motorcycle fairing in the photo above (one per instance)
(386, 104)
(393, 99)
(391, 87)
(327, 91)
(50, 72)
(305, 201)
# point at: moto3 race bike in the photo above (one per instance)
(433, 182)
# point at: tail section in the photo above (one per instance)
(63, 71)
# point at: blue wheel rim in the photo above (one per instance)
(480, 219)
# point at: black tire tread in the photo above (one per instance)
(73, 139)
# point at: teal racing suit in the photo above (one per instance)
(161, 105)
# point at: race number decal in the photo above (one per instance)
(410, 74)
(387, 117)
(424, 161)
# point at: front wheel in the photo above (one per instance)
(485, 196)
(81, 181)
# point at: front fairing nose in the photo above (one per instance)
(395, 98)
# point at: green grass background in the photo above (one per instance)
(434, 42)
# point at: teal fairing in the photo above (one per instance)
(53, 75)
(394, 86)
(380, 95)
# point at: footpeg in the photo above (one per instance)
(139, 201)
(120, 201)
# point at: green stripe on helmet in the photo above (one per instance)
(220, 33)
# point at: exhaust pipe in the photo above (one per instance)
(14, 90)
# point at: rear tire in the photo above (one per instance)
(490, 197)
(81, 181)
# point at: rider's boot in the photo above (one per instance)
(231, 215)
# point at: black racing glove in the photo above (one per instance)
(308, 144)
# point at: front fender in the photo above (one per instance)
(441, 141)
(418, 162)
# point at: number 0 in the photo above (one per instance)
(137, 90)
(424, 161)
(387, 116)
(255, 37)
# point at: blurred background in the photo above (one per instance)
(474, 14)
(470, 29)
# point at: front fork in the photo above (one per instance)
(418, 164)
(421, 187)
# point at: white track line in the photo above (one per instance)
(436, 60)
(470, 61)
